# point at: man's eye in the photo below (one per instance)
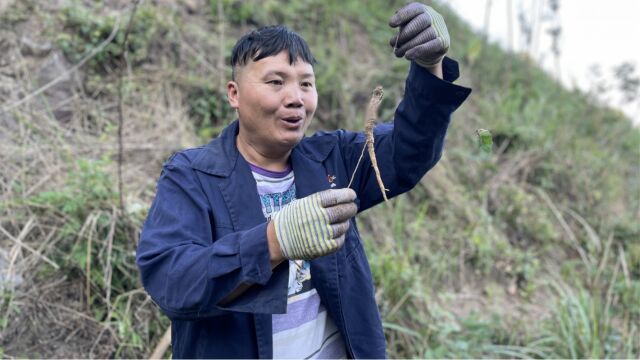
(274, 82)
(307, 84)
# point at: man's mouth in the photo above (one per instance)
(293, 120)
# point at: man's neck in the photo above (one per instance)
(259, 157)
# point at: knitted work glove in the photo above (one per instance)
(314, 226)
(423, 35)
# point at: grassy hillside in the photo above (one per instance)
(532, 250)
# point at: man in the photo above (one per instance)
(251, 246)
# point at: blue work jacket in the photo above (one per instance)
(205, 234)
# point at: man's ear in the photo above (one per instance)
(232, 94)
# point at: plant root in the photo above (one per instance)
(370, 121)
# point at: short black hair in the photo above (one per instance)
(268, 41)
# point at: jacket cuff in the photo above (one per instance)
(268, 295)
(428, 86)
(254, 256)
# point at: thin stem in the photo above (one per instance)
(357, 164)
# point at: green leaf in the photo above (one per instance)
(485, 140)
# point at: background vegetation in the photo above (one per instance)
(530, 251)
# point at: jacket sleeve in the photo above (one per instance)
(185, 271)
(407, 148)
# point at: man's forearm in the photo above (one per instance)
(275, 253)
(436, 69)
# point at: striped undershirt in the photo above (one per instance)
(306, 331)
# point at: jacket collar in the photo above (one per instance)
(220, 156)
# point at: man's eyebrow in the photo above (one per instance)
(308, 75)
(284, 74)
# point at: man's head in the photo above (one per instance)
(272, 89)
(269, 41)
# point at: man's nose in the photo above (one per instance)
(294, 97)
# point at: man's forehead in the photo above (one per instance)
(279, 64)
(301, 72)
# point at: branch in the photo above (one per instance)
(120, 103)
(62, 76)
(162, 345)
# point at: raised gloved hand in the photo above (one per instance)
(314, 226)
(423, 35)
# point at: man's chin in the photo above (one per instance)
(290, 142)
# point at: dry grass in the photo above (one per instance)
(49, 312)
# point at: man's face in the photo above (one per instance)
(275, 102)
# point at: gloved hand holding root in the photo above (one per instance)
(316, 225)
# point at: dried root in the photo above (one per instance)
(370, 121)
